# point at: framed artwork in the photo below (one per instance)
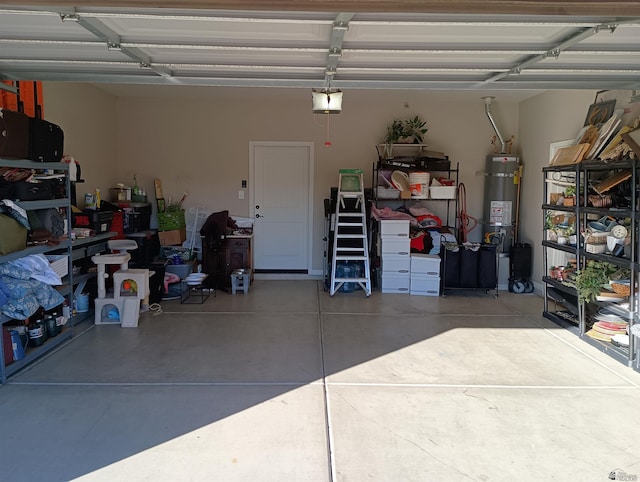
(599, 112)
(554, 146)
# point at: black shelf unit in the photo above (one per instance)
(410, 158)
(64, 247)
(585, 176)
(413, 164)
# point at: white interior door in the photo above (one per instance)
(280, 195)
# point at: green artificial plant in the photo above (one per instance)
(411, 130)
(591, 279)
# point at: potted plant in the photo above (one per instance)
(570, 196)
(409, 131)
(591, 279)
(395, 131)
(414, 129)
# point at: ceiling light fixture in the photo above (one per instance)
(326, 101)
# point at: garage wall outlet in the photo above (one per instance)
(240, 194)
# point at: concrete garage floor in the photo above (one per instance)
(289, 384)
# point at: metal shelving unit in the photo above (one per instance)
(561, 293)
(33, 353)
(410, 158)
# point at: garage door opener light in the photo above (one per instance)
(326, 101)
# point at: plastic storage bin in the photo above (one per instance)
(394, 228)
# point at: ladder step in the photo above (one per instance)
(350, 236)
(349, 223)
(351, 280)
(351, 258)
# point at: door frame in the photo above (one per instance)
(311, 148)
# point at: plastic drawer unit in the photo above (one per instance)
(395, 260)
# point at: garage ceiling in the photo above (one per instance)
(373, 45)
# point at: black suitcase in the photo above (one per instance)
(33, 191)
(46, 141)
(14, 135)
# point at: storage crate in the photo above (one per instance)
(99, 221)
(425, 286)
(396, 283)
(59, 263)
(395, 263)
(427, 264)
(170, 220)
(395, 227)
(399, 246)
(442, 192)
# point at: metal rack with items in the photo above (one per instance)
(560, 247)
(604, 247)
(401, 182)
(61, 263)
(386, 190)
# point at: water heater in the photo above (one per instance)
(501, 203)
(500, 206)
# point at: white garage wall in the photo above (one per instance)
(87, 117)
(196, 139)
(547, 118)
(199, 143)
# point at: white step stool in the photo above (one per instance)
(240, 279)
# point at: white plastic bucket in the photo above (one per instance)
(419, 184)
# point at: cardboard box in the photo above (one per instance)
(172, 238)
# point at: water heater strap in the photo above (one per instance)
(500, 174)
(496, 174)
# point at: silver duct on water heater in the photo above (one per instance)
(500, 190)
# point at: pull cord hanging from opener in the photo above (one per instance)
(466, 223)
(327, 142)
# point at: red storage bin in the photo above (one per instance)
(117, 225)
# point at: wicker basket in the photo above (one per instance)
(598, 237)
(600, 201)
(621, 288)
